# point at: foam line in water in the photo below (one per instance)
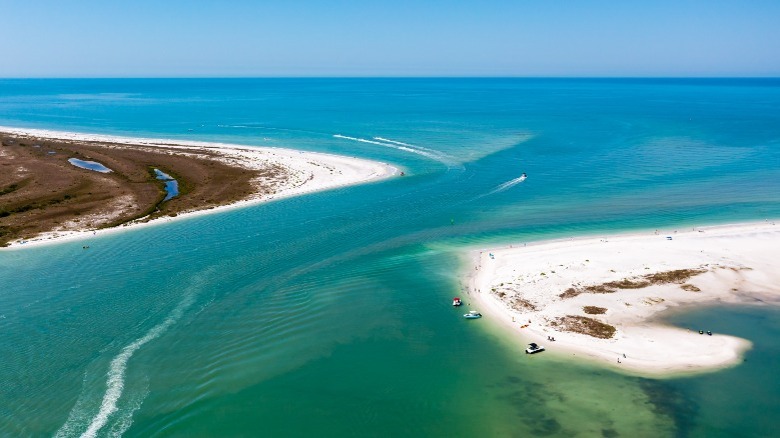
(362, 140)
(399, 146)
(508, 184)
(387, 140)
(428, 152)
(400, 143)
(417, 148)
(116, 373)
(504, 186)
(125, 419)
(77, 414)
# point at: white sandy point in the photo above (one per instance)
(311, 172)
(743, 263)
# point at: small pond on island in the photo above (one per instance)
(171, 185)
(89, 165)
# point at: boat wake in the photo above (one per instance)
(401, 146)
(400, 143)
(362, 140)
(507, 185)
(504, 186)
(115, 383)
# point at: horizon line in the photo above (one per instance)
(383, 77)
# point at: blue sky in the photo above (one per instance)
(389, 38)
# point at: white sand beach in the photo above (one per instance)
(522, 288)
(310, 172)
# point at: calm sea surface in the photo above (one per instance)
(329, 314)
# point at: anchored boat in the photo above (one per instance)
(472, 315)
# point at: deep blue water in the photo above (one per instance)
(330, 313)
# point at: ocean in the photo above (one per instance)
(329, 314)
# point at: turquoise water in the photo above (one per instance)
(329, 314)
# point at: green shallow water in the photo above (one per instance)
(740, 401)
(329, 314)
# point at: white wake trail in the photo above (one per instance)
(363, 140)
(115, 382)
(401, 146)
(441, 155)
(504, 186)
(508, 184)
(387, 140)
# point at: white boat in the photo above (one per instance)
(456, 302)
(533, 348)
(472, 315)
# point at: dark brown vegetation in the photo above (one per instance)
(585, 326)
(594, 310)
(521, 304)
(516, 302)
(674, 276)
(628, 284)
(41, 191)
(570, 293)
(689, 287)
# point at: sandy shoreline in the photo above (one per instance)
(522, 287)
(309, 172)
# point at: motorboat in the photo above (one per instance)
(472, 315)
(533, 348)
(456, 302)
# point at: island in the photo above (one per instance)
(603, 298)
(59, 184)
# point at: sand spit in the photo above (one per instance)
(270, 174)
(600, 298)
